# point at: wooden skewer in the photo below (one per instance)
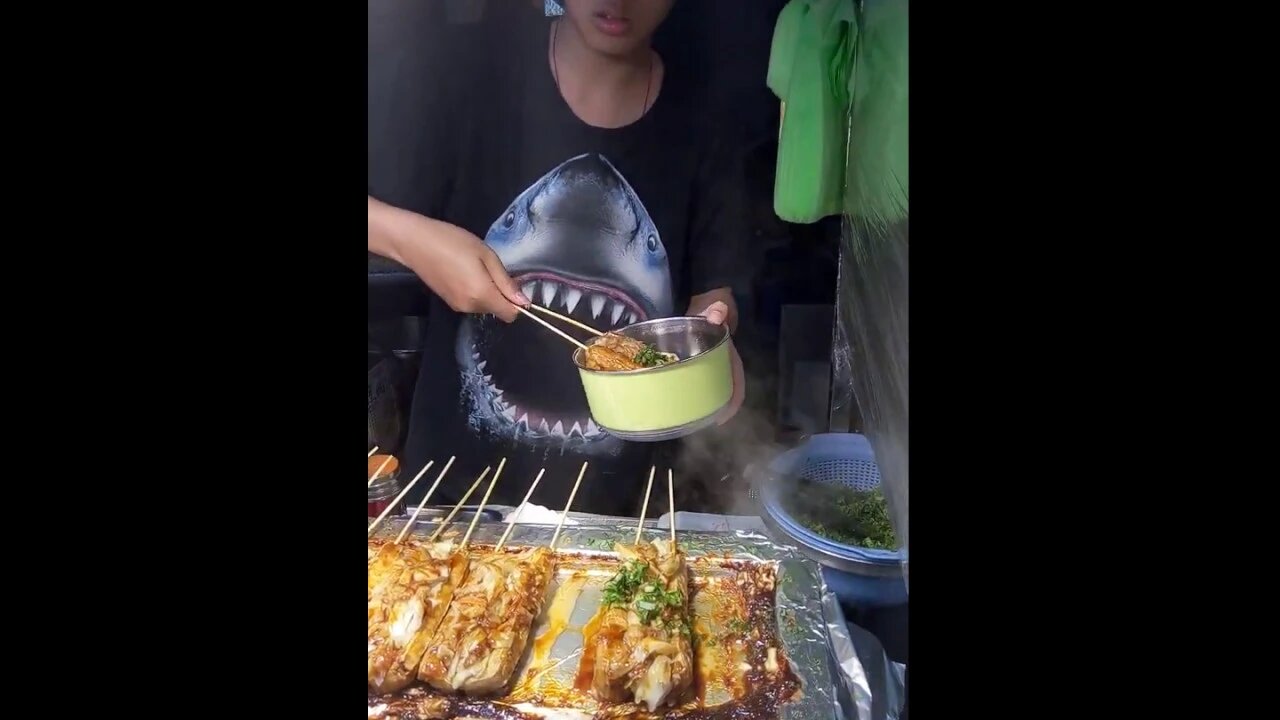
(379, 470)
(448, 518)
(512, 525)
(645, 508)
(551, 327)
(470, 528)
(566, 318)
(414, 519)
(371, 452)
(671, 505)
(394, 503)
(417, 477)
(567, 505)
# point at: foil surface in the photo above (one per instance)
(544, 684)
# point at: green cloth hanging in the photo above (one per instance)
(877, 173)
(810, 71)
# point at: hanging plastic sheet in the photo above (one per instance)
(872, 303)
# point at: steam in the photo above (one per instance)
(712, 467)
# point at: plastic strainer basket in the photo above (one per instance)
(863, 575)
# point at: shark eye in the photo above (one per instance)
(509, 219)
(653, 243)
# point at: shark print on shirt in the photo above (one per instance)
(580, 242)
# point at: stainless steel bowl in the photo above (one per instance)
(687, 337)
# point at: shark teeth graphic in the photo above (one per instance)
(607, 312)
(579, 242)
(533, 422)
(562, 298)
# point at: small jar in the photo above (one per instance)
(383, 490)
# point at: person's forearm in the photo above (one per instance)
(384, 230)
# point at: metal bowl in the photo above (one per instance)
(668, 401)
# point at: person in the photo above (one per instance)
(561, 174)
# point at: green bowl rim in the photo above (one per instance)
(724, 337)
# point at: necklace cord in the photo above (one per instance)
(555, 72)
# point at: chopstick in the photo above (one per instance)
(371, 452)
(566, 318)
(551, 327)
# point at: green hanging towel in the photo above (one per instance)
(810, 69)
(877, 173)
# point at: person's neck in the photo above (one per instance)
(603, 90)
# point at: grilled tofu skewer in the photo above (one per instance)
(411, 597)
(481, 637)
(410, 588)
(641, 639)
(612, 352)
(484, 634)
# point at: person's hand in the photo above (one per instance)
(718, 312)
(458, 267)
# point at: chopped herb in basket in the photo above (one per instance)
(844, 515)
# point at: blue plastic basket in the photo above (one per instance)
(837, 459)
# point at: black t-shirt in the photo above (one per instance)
(610, 226)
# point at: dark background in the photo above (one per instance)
(717, 54)
(217, 336)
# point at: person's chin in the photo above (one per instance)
(613, 45)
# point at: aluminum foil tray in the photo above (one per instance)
(546, 686)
